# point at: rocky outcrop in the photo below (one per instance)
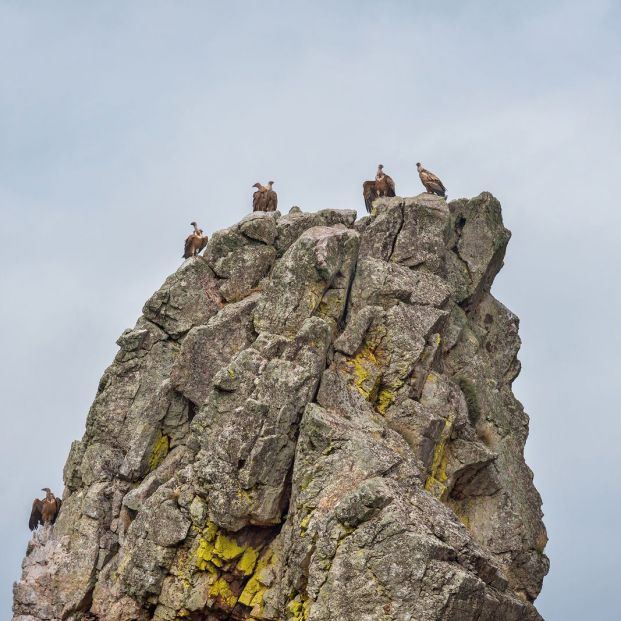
(312, 421)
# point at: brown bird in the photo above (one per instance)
(383, 185)
(264, 199)
(195, 242)
(258, 198)
(432, 183)
(272, 198)
(44, 511)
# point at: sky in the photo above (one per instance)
(121, 122)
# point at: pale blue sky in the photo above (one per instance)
(122, 121)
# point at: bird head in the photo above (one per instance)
(270, 183)
(418, 165)
(46, 489)
(192, 223)
(380, 166)
(257, 185)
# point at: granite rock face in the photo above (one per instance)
(312, 421)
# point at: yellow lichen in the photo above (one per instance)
(299, 607)
(436, 481)
(252, 595)
(226, 548)
(215, 551)
(205, 558)
(221, 589)
(368, 368)
(226, 559)
(359, 366)
(248, 561)
(384, 400)
(159, 451)
(304, 524)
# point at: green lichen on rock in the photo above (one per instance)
(470, 394)
(159, 451)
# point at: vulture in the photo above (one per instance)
(194, 242)
(44, 511)
(432, 183)
(383, 185)
(264, 199)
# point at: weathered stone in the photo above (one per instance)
(207, 349)
(379, 236)
(300, 279)
(312, 422)
(189, 297)
(243, 270)
(260, 226)
(423, 234)
(482, 241)
(291, 226)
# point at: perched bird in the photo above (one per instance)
(382, 185)
(272, 198)
(44, 511)
(264, 199)
(259, 197)
(195, 242)
(432, 183)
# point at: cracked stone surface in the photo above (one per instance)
(311, 421)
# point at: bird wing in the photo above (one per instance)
(429, 177)
(187, 249)
(59, 503)
(204, 241)
(391, 185)
(271, 200)
(369, 194)
(35, 515)
(258, 200)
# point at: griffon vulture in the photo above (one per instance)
(432, 183)
(44, 511)
(264, 199)
(194, 242)
(383, 185)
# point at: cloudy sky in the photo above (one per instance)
(120, 122)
